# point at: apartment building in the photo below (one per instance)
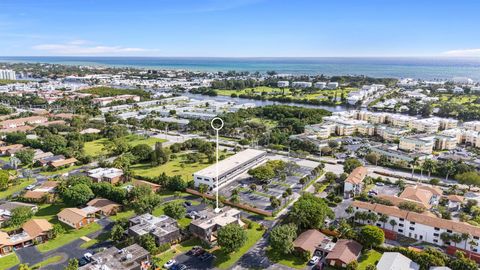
(301, 84)
(110, 175)
(423, 227)
(390, 133)
(366, 130)
(445, 142)
(399, 120)
(353, 185)
(14, 123)
(332, 85)
(163, 228)
(229, 168)
(133, 257)
(103, 101)
(472, 125)
(320, 85)
(283, 84)
(417, 144)
(395, 156)
(322, 131)
(206, 227)
(7, 74)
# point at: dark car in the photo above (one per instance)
(199, 252)
(82, 261)
(182, 267)
(187, 203)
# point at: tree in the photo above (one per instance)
(24, 266)
(77, 195)
(263, 174)
(72, 264)
(462, 263)
(383, 218)
(371, 236)
(176, 183)
(372, 158)
(25, 156)
(449, 168)
(469, 178)
(330, 176)
(353, 265)
(19, 215)
(253, 187)
(142, 152)
(429, 165)
(309, 212)
(146, 204)
(116, 234)
(350, 164)
(393, 223)
(231, 237)
(54, 143)
(274, 202)
(4, 179)
(175, 210)
(413, 163)
(371, 267)
(147, 241)
(281, 238)
(57, 230)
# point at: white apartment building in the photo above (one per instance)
(389, 133)
(417, 145)
(6, 74)
(427, 125)
(445, 142)
(301, 84)
(457, 90)
(332, 85)
(322, 131)
(475, 89)
(422, 227)
(472, 125)
(320, 85)
(283, 84)
(366, 130)
(229, 168)
(399, 120)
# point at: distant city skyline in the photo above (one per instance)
(240, 28)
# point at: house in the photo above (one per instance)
(39, 154)
(75, 217)
(207, 225)
(455, 202)
(14, 123)
(163, 228)
(110, 175)
(153, 186)
(354, 183)
(62, 163)
(44, 161)
(396, 261)
(33, 231)
(313, 242)
(344, 252)
(44, 191)
(6, 209)
(4, 150)
(133, 257)
(425, 195)
(105, 206)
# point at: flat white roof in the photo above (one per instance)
(231, 162)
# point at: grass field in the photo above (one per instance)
(367, 258)
(95, 148)
(61, 171)
(16, 188)
(122, 215)
(67, 237)
(9, 261)
(459, 99)
(171, 168)
(177, 249)
(99, 239)
(225, 261)
(48, 261)
(290, 260)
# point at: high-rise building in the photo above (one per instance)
(6, 74)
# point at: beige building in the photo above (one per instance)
(417, 145)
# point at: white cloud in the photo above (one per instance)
(463, 52)
(83, 47)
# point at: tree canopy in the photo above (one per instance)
(310, 212)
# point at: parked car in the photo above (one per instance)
(169, 264)
(187, 203)
(207, 256)
(30, 187)
(198, 252)
(379, 184)
(182, 267)
(314, 260)
(88, 256)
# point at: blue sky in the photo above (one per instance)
(240, 28)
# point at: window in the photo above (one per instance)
(411, 222)
(379, 225)
(400, 230)
(435, 240)
(411, 228)
(401, 225)
(475, 237)
(436, 234)
(401, 219)
(449, 231)
(437, 229)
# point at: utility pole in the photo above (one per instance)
(216, 128)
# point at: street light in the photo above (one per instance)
(216, 128)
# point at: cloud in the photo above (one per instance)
(463, 52)
(84, 48)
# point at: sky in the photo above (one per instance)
(240, 28)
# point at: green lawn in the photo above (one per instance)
(224, 261)
(16, 188)
(61, 171)
(165, 257)
(99, 239)
(95, 148)
(367, 258)
(9, 261)
(121, 215)
(290, 260)
(49, 211)
(69, 236)
(48, 261)
(182, 247)
(183, 222)
(173, 167)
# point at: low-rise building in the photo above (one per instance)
(133, 257)
(105, 207)
(396, 261)
(18, 122)
(33, 231)
(6, 209)
(282, 84)
(63, 163)
(163, 228)
(75, 217)
(45, 192)
(110, 175)
(332, 85)
(320, 85)
(206, 227)
(353, 185)
(344, 252)
(301, 84)
(416, 144)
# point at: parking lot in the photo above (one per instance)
(195, 261)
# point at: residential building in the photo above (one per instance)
(7, 207)
(301, 84)
(455, 202)
(445, 142)
(44, 192)
(425, 195)
(475, 90)
(283, 84)
(390, 133)
(75, 217)
(396, 261)
(472, 125)
(313, 242)
(5, 150)
(33, 231)
(153, 186)
(44, 161)
(320, 85)
(416, 144)
(421, 226)
(110, 175)
(206, 227)
(332, 85)
(103, 101)
(105, 206)
(163, 228)
(63, 163)
(18, 122)
(229, 168)
(344, 252)
(426, 125)
(7, 74)
(133, 257)
(366, 130)
(397, 157)
(457, 90)
(353, 185)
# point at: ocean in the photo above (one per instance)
(417, 68)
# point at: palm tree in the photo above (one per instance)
(445, 237)
(465, 237)
(472, 244)
(383, 218)
(413, 163)
(456, 238)
(393, 223)
(429, 165)
(449, 168)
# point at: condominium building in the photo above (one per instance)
(416, 144)
(301, 84)
(445, 142)
(421, 226)
(282, 84)
(229, 168)
(133, 257)
(399, 120)
(427, 125)
(389, 134)
(332, 85)
(322, 131)
(6, 74)
(472, 125)
(366, 130)
(163, 228)
(395, 156)
(206, 227)
(354, 183)
(320, 85)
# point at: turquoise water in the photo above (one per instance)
(419, 68)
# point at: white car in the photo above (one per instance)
(314, 260)
(30, 187)
(169, 264)
(88, 256)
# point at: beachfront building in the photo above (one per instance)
(301, 84)
(7, 74)
(229, 168)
